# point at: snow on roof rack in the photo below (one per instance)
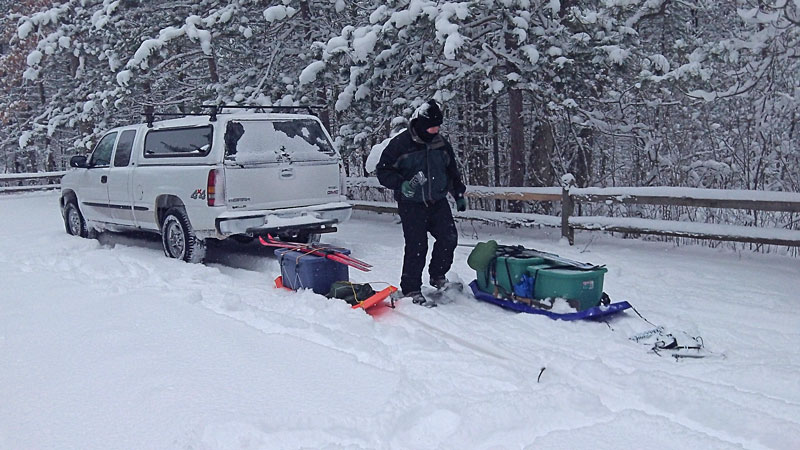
(261, 108)
(150, 114)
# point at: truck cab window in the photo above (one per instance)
(101, 156)
(184, 141)
(123, 155)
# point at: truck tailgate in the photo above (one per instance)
(281, 185)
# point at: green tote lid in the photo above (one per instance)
(482, 255)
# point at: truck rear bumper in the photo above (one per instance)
(316, 217)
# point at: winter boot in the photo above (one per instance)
(439, 283)
(418, 299)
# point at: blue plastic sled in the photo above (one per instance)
(591, 313)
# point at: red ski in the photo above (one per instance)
(271, 241)
(315, 250)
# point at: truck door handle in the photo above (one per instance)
(103, 179)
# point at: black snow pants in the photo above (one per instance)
(419, 220)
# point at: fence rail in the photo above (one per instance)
(570, 198)
(21, 182)
(709, 198)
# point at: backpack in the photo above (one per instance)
(352, 293)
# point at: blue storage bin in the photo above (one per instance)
(303, 271)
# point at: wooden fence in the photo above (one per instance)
(368, 194)
(570, 197)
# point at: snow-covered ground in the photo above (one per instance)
(109, 344)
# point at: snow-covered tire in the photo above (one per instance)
(75, 223)
(178, 238)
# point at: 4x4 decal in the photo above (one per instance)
(199, 193)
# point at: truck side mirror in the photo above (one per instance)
(78, 161)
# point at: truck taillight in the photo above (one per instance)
(215, 194)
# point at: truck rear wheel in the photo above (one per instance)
(178, 238)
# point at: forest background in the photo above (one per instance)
(615, 92)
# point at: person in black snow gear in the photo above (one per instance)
(420, 166)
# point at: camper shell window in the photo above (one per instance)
(260, 141)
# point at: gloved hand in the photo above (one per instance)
(407, 189)
(461, 204)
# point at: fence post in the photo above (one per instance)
(567, 208)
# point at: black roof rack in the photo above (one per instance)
(261, 108)
(149, 111)
(150, 115)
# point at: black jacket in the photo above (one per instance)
(406, 155)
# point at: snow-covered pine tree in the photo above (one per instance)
(620, 92)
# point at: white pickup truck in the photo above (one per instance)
(209, 177)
